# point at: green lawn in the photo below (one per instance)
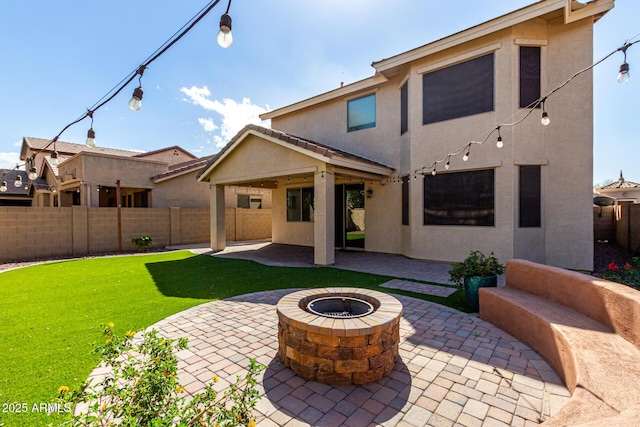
(51, 314)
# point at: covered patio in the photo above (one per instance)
(303, 176)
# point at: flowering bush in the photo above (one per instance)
(142, 389)
(626, 274)
(141, 242)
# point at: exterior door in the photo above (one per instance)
(350, 216)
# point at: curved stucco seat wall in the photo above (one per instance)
(586, 328)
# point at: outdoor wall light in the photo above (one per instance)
(225, 38)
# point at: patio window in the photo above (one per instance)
(529, 197)
(460, 198)
(404, 108)
(530, 65)
(361, 113)
(460, 90)
(300, 204)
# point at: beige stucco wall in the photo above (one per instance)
(181, 191)
(563, 149)
(231, 195)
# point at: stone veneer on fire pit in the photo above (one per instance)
(339, 351)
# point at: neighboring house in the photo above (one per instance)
(333, 160)
(622, 190)
(91, 176)
(14, 195)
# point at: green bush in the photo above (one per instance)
(142, 389)
(141, 242)
(476, 264)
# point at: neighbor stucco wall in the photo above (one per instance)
(181, 191)
(171, 156)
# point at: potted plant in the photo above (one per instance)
(474, 272)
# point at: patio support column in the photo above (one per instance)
(218, 230)
(324, 219)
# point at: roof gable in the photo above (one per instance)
(304, 146)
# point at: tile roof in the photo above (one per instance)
(39, 144)
(184, 167)
(620, 183)
(174, 147)
(10, 176)
(304, 143)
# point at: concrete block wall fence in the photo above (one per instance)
(30, 233)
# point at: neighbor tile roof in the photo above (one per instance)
(183, 167)
(620, 183)
(39, 144)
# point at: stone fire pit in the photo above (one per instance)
(351, 338)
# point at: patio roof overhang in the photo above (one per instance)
(271, 154)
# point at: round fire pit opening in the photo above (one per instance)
(340, 307)
(339, 336)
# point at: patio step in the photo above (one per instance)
(600, 367)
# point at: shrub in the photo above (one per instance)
(141, 242)
(627, 274)
(142, 389)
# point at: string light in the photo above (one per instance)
(623, 75)
(3, 187)
(33, 173)
(225, 39)
(135, 103)
(499, 142)
(466, 155)
(18, 181)
(448, 164)
(91, 135)
(545, 119)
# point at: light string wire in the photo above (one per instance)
(139, 70)
(531, 108)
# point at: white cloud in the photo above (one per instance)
(207, 124)
(235, 115)
(9, 160)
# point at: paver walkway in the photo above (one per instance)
(453, 369)
(275, 254)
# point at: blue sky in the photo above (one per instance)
(61, 57)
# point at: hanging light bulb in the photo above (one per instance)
(448, 164)
(91, 138)
(33, 173)
(466, 155)
(54, 158)
(18, 182)
(3, 187)
(433, 172)
(545, 119)
(135, 103)
(499, 142)
(225, 39)
(623, 76)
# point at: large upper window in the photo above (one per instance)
(300, 204)
(530, 65)
(529, 198)
(404, 108)
(460, 198)
(361, 113)
(459, 90)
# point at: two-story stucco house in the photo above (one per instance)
(353, 167)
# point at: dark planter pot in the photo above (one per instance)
(471, 286)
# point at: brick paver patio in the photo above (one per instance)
(454, 369)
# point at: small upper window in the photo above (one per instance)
(361, 113)
(404, 108)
